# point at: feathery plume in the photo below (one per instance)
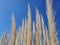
(47, 38)
(4, 40)
(34, 33)
(29, 35)
(51, 23)
(13, 36)
(37, 42)
(22, 33)
(38, 27)
(25, 30)
(17, 42)
(44, 34)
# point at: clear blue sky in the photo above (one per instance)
(19, 7)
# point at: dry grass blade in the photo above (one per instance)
(25, 31)
(38, 27)
(22, 33)
(13, 36)
(44, 32)
(47, 38)
(4, 40)
(51, 23)
(18, 38)
(34, 33)
(29, 36)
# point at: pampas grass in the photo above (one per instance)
(51, 23)
(38, 27)
(35, 31)
(22, 33)
(4, 40)
(13, 36)
(18, 38)
(25, 31)
(47, 37)
(44, 34)
(29, 35)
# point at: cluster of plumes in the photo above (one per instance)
(31, 29)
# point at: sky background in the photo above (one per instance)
(20, 8)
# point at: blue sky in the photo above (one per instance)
(20, 7)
